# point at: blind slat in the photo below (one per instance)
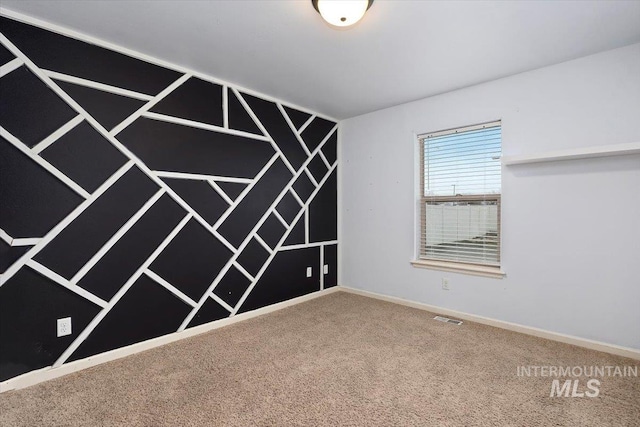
(466, 144)
(448, 154)
(462, 162)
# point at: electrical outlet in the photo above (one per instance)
(326, 269)
(445, 283)
(309, 271)
(64, 327)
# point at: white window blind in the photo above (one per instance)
(460, 195)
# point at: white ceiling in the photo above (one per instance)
(400, 51)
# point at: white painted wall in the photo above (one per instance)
(571, 230)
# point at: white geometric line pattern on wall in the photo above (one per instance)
(320, 267)
(324, 159)
(220, 191)
(121, 232)
(282, 221)
(10, 66)
(262, 270)
(313, 180)
(263, 130)
(120, 293)
(200, 177)
(295, 195)
(95, 85)
(116, 130)
(57, 134)
(264, 244)
(306, 225)
(156, 223)
(66, 283)
(27, 241)
(24, 241)
(225, 108)
(220, 301)
(177, 120)
(308, 245)
(4, 236)
(42, 162)
(246, 191)
(307, 123)
(102, 130)
(64, 223)
(170, 287)
(293, 128)
(253, 233)
(243, 271)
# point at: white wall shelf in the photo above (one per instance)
(574, 154)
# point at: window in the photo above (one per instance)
(460, 186)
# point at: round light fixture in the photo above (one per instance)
(342, 13)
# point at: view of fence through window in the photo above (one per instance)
(460, 203)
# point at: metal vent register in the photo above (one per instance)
(447, 320)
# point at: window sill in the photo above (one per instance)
(474, 270)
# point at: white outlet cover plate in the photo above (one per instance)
(309, 271)
(326, 269)
(64, 326)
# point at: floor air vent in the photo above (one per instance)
(447, 320)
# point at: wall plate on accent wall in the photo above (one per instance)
(64, 326)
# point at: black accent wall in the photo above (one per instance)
(152, 203)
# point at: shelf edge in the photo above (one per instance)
(575, 154)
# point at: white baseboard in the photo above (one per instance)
(536, 332)
(48, 373)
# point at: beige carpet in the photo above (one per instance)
(341, 360)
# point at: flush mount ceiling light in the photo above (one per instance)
(342, 13)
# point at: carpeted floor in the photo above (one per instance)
(341, 360)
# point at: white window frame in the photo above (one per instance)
(494, 271)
